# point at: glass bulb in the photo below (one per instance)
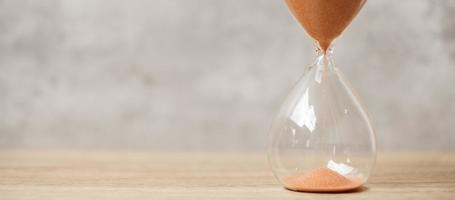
(321, 139)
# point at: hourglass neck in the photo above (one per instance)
(327, 52)
(324, 59)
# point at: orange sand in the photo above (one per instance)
(324, 20)
(322, 180)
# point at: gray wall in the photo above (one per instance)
(209, 75)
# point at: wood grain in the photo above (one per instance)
(134, 175)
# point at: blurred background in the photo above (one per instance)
(204, 75)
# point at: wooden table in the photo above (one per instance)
(134, 175)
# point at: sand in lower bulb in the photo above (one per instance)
(322, 180)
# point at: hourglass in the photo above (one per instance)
(321, 139)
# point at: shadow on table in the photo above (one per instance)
(358, 190)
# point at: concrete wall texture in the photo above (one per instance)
(209, 75)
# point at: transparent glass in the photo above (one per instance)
(322, 125)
